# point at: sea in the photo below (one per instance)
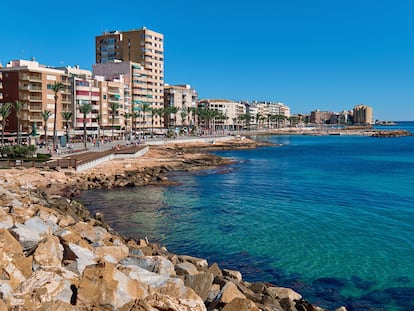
(330, 216)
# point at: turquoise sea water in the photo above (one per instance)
(330, 216)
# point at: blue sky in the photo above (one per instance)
(320, 54)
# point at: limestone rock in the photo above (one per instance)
(157, 264)
(6, 220)
(213, 293)
(167, 303)
(215, 269)
(85, 257)
(163, 284)
(32, 231)
(184, 268)
(201, 283)
(49, 252)
(229, 292)
(200, 263)
(92, 233)
(15, 266)
(239, 304)
(47, 285)
(236, 275)
(104, 285)
(283, 292)
(117, 252)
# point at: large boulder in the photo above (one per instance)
(228, 293)
(156, 264)
(15, 267)
(112, 253)
(94, 234)
(49, 252)
(163, 284)
(184, 268)
(104, 285)
(233, 274)
(201, 283)
(32, 231)
(84, 257)
(6, 220)
(283, 292)
(46, 285)
(239, 304)
(200, 263)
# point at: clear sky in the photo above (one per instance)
(309, 54)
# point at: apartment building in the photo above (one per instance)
(320, 117)
(138, 88)
(31, 84)
(230, 110)
(184, 98)
(143, 48)
(363, 115)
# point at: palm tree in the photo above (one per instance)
(18, 107)
(154, 112)
(45, 116)
(5, 110)
(98, 120)
(56, 88)
(183, 115)
(67, 115)
(145, 108)
(114, 107)
(135, 116)
(126, 117)
(85, 108)
(160, 113)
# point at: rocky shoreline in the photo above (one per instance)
(56, 255)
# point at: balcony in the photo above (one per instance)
(35, 88)
(35, 98)
(35, 107)
(35, 118)
(35, 77)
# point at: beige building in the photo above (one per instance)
(363, 115)
(139, 93)
(184, 98)
(31, 83)
(230, 110)
(144, 49)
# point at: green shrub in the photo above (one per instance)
(13, 152)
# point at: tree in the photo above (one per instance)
(127, 116)
(85, 108)
(56, 88)
(46, 114)
(5, 110)
(145, 108)
(154, 112)
(18, 107)
(135, 116)
(67, 115)
(114, 107)
(183, 115)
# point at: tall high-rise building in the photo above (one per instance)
(142, 46)
(363, 115)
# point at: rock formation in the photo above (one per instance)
(55, 256)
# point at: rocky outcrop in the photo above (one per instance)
(55, 256)
(391, 133)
